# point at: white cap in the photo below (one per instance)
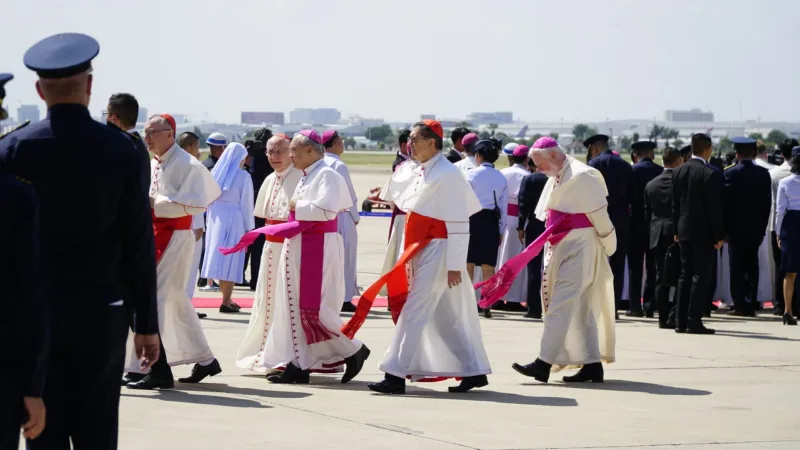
(217, 139)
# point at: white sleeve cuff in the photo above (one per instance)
(457, 245)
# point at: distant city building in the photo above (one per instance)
(180, 118)
(499, 117)
(262, 118)
(315, 116)
(692, 115)
(28, 112)
(142, 118)
(427, 117)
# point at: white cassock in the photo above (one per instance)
(511, 245)
(180, 187)
(766, 263)
(272, 204)
(320, 195)
(198, 223)
(466, 164)
(438, 332)
(347, 228)
(395, 246)
(577, 282)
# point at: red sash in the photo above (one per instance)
(275, 239)
(419, 231)
(163, 229)
(558, 226)
(513, 210)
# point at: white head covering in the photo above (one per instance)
(509, 148)
(217, 139)
(225, 170)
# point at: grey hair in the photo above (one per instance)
(556, 149)
(271, 142)
(304, 141)
(157, 119)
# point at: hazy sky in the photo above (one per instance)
(542, 59)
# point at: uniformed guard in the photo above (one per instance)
(639, 253)
(95, 235)
(23, 376)
(618, 176)
(747, 199)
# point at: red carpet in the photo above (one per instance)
(247, 302)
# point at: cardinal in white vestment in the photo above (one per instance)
(272, 204)
(190, 143)
(180, 188)
(437, 334)
(577, 282)
(348, 220)
(304, 335)
(511, 244)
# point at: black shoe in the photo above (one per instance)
(531, 315)
(700, 329)
(228, 309)
(355, 363)
(634, 314)
(589, 372)
(202, 282)
(391, 385)
(616, 316)
(486, 312)
(469, 383)
(150, 382)
(515, 307)
(739, 313)
(538, 369)
(236, 306)
(348, 307)
(500, 306)
(680, 330)
(292, 375)
(132, 377)
(666, 326)
(202, 315)
(789, 320)
(200, 372)
(650, 314)
(777, 312)
(707, 314)
(244, 283)
(714, 307)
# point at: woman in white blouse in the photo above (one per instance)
(787, 225)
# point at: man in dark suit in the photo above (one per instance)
(24, 321)
(457, 152)
(747, 199)
(697, 215)
(639, 254)
(122, 112)
(95, 176)
(259, 169)
(529, 228)
(658, 214)
(618, 176)
(402, 154)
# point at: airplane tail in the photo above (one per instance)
(522, 132)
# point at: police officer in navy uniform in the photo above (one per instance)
(639, 253)
(618, 176)
(747, 199)
(22, 322)
(95, 235)
(529, 228)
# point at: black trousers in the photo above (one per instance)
(617, 263)
(693, 284)
(744, 275)
(202, 281)
(663, 302)
(534, 300)
(255, 250)
(11, 410)
(640, 258)
(87, 355)
(712, 282)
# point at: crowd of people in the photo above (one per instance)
(549, 231)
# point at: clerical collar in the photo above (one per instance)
(427, 165)
(308, 170)
(167, 155)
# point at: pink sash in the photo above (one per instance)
(312, 247)
(558, 226)
(513, 210)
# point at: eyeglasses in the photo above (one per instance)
(150, 133)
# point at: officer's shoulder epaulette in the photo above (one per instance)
(27, 122)
(728, 167)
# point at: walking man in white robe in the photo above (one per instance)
(304, 336)
(512, 245)
(437, 334)
(190, 143)
(272, 204)
(577, 283)
(180, 187)
(348, 220)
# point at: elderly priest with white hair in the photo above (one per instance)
(304, 336)
(577, 283)
(180, 187)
